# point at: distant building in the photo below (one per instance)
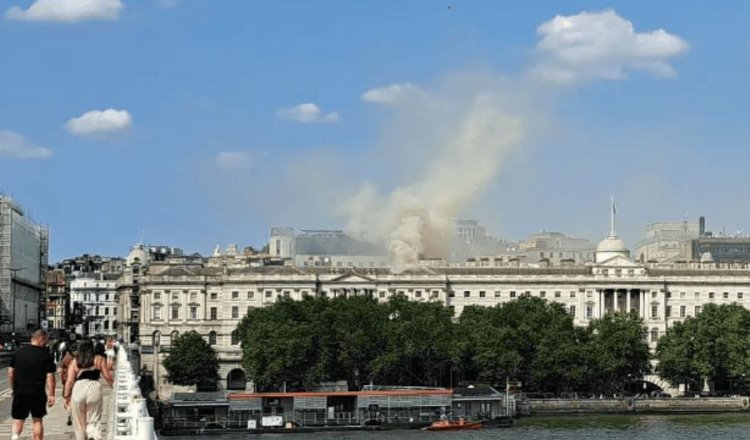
(324, 248)
(128, 286)
(96, 296)
(470, 240)
(667, 241)
(58, 295)
(556, 247)
(24, 248)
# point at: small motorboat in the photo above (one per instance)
(453, 425)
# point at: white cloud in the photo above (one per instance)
(308, 113)
(67, 11)
(602, 45)
(393, 94)
(99, 123)
(15, 146)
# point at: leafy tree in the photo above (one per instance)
(714, 345)
(419, 344)
(191, 361)
(618, 350)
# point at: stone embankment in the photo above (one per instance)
(531, 407)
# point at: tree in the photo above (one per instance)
(714, 345)
(618, 350)
(528, 339)
(191, 361)
(418, 346)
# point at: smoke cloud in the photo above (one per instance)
(467, 128)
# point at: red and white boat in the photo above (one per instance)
(453, 425)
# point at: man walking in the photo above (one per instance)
(31, 368)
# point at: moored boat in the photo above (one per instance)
(453, 425)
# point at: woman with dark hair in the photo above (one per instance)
(83, 392)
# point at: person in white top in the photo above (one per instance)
(111, 353)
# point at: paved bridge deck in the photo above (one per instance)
(55, 426)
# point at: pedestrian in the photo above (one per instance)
(83, 392)
(67, 359)
(31, 368)
(110, 352)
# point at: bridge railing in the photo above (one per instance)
(129, 415)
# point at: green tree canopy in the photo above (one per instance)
(191, 361)
(714, 344)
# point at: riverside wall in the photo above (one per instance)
(532, 407)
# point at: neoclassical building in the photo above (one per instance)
(211, 296)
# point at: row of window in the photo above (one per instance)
(668, 311)
(96, 297)
(697, 295)
(213, 312)
(94, 311)
(212, 337)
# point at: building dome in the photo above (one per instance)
(707, 257)
(611, 244)
(611, 247)
(137, 254)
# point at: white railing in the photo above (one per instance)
(129, 415)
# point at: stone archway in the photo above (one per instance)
(236, 379)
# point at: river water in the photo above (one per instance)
(630, 427)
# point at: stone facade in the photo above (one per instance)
(212, 297)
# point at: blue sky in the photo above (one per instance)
(201, 78)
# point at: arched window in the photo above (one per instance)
(212, 338)
(156, 338)
(654, 334)
(235, 337)
(173, 337)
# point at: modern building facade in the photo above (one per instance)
(24, 250)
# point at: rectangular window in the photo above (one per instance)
(193, 296)
(711, 295)
(498, 294)
(654, 293)
(527, 293)
(268, 293)
(654, 311)
(558, 294)
(697, 310)
(418, 294)
(235, 312)
(512, 293)
(249, 308)
(697, 295)
(157, 312)
(542, 294)
(286, 294)
(214, 313)
(106, 311)
(467, 293)
(381, 294)
(682, 294)
(669, 311)
(157, 296)
(250, 294)
(175, 312)
(726, 295)
(589, 312)
(235, 295)
(739, 295)
(175, 296)
(572, 294)
(482, 294)
(106, 325)
(193, 312)
(572, 311)
(214, 295)
(682, 311)
(451, 294)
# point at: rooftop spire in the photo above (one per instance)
(612, 219)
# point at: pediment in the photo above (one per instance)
(620, 262)
(353, 278)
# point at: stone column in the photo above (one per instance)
(600, 297)
(627, 300)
